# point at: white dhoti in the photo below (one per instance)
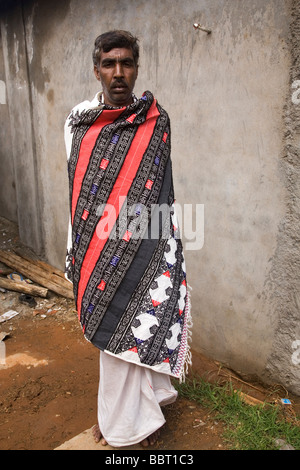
(129, 401)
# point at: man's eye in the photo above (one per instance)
(126, 63)
(107, 64)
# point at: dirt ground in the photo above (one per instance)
(49, 379)
(49, 387)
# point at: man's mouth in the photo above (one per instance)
(119, 86)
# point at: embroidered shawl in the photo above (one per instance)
(125, 256)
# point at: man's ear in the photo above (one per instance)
(96, 72)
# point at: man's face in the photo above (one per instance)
(117, 73)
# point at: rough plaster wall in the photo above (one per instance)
(20, 115)
(284, 280)
(45, 35)
(8, 203)
(227, 143)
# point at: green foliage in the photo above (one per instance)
(246, 427)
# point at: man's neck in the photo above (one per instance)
(102, 101)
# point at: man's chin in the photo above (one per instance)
(119, 97)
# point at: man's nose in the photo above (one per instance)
(118, 72)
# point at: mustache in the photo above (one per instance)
(118, 83)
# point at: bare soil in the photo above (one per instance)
(48, 389)
(49, 379)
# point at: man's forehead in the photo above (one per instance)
(117, 53)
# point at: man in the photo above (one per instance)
(125, 257)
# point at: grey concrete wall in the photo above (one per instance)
(23, 146)
(8, 205)
(229, 98)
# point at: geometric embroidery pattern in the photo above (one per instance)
(153, 325)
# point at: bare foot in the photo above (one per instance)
(150, 440)
(98, 435)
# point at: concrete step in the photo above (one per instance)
(85, 441)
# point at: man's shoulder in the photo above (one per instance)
(85, 106)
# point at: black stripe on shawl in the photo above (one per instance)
(133, 275)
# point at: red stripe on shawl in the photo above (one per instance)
(86, 147)
(120, 190)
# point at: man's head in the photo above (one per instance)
(115, 58)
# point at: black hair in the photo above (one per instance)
(112, 39)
